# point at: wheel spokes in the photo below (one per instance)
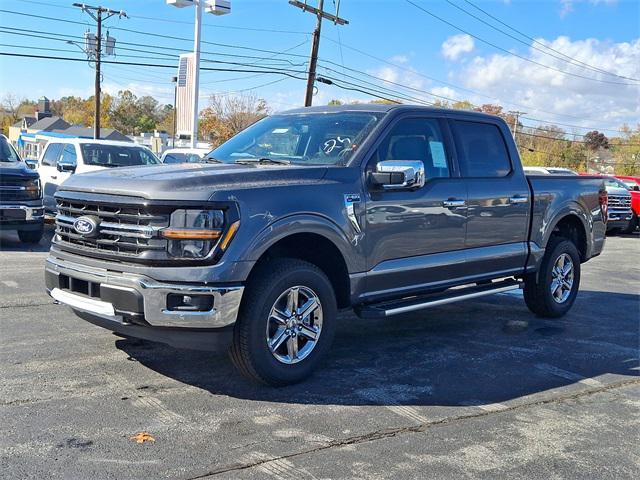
(292, 347)
(308, 308)
(292, 301)
(279, 339)
(309, 331)
(280, 317)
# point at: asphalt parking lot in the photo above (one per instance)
(481, 389)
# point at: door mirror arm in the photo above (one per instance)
(398, 175)
(66, 167)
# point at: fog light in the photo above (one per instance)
(189, 303)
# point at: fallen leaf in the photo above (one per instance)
(142, 437)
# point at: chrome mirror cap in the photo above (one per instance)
(412, 170)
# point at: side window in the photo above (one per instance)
(417, 139)
(69, 155)
(481, 150)
(51, 154)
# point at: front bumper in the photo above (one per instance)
(129, 299)
(21, 217)
(619, 219)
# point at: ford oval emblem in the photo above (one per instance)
(86, 226)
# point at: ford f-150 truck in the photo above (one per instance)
(384, 209)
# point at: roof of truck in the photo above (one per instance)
(384, 108)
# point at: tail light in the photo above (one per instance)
(603, 198)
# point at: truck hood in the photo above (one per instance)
(16, 171)
(190, 181)
(618, 191)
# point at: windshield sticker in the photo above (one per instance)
(437, 154)
(338, 143)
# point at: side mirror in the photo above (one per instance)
(398, 174)
(32, 164)
(66, 167)
(636, 188)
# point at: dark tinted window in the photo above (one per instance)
(51, 154)
(481, 150)
(417, 139)
(7, 153)
(105, 155)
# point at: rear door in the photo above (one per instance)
(410, 234)
(498, 200)
(49, 175)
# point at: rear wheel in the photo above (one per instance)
(30, 236)
(286, 322)
(552, 291)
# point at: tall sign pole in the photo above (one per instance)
(94, 51)
(313, 61)
(196, 73)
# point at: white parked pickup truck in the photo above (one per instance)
(64, 157)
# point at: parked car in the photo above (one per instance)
(621, 215)
(296, 218)
(633, 183)
(184, 155)
(62, 158)
(548, 171)
(20, 196)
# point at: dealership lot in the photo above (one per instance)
(482, 389)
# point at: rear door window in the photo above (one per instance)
(481, 150)
(51, 154)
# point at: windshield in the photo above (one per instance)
(102, 155)
(317, 138)
(7, 153)
(182, 158)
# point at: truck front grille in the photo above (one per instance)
(124, 230)
(619, 201)
(12, 190)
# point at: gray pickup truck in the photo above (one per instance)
(384, 209)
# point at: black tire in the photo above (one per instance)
(249, 351)
(632, 225)
(537, 286)
(30, 236)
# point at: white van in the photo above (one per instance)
(64, 157)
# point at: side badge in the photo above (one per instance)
(350, 199)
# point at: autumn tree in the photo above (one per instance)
(595, 140)
(227, 115)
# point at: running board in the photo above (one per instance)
(405, 305)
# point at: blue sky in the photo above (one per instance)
(414, 49)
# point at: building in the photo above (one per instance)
(87, 132)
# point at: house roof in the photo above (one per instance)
(30, 121)
(87, 132)
(49, 123)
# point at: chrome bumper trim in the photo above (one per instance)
(28, 211)
(226, 300)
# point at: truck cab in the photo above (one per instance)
(62, 158)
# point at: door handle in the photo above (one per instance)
(452, 203)
(54, 177)
(518, 199)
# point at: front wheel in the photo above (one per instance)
(552, 291)
(286, 322)
(30, 236)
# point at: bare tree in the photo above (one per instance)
(227, 115)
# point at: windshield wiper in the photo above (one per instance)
(212, 160)
(264, 161)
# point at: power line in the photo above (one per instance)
(532, 39)
(497, 47)
(562, 57)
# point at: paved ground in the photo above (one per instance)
(482, 389)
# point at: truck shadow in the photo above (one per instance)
(9, 241)
(479, 352)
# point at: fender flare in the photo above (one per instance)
(304, 223)
(570, 209)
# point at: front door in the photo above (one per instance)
(49, 174)
(410, 234)
(499, 200)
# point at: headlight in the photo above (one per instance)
(193, 233)
(32, 187)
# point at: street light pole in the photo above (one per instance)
(174, 80)
(97, 87)
(196, 73)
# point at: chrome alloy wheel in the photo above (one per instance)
(294, 324)
(562, 278)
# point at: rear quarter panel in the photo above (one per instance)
(555, 197)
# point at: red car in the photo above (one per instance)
(634, 186)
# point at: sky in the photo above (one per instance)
(590, 80)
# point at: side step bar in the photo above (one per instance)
(411, 304)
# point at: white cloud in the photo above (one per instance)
(456, 46)
(567, 6)
(510, 79)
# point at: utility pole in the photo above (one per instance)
(516, 115)
(313, 61)
(97, 14)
